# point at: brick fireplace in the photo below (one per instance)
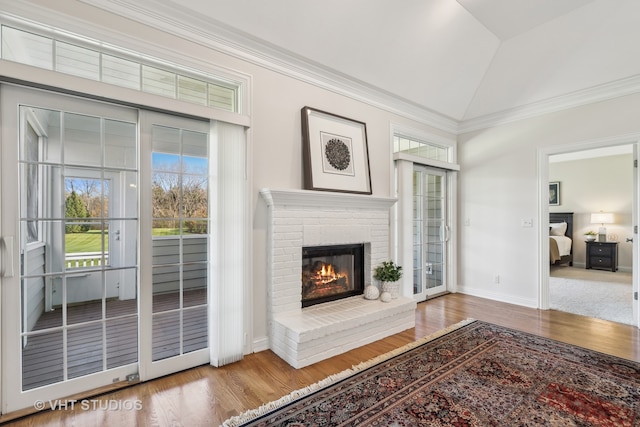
(305, 219)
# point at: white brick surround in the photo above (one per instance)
(299, 218)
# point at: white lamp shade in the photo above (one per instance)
(602, 218)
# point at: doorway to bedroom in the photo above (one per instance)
(583, 282)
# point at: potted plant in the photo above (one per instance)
(590, 236)
(388, 273)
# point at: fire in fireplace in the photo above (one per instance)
(332, 272)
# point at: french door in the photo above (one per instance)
(430, 232)
(105, 259)
(174, 243)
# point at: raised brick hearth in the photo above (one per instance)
(299, 218)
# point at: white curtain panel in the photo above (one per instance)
(229, 246)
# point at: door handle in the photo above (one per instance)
(7, 256)
(444, 233)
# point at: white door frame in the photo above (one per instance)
(543, 211)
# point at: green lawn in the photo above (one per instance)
(166, 231)
(88, 241)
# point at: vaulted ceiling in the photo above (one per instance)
(462, 59)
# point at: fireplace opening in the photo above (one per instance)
(332, 272)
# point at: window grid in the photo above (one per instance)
(27, 47)
(420, 148)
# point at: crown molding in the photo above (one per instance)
(218, 36)
(598, 93)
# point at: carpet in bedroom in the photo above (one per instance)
(601, 294)
(474, 374)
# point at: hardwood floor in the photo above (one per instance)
(207, 396)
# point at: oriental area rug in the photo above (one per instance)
(472, 374)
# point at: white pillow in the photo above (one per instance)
(557, 229)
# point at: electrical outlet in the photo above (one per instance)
(496, 279)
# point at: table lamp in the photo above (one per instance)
(602, 218)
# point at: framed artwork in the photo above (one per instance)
(554, 193)
(335, 151)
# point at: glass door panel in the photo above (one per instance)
(76, 308)
(180, 206)
(430, 232)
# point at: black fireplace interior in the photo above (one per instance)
(332, 272)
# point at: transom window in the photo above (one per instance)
(421, 149)
(97, 61)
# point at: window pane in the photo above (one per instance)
(120, 144)
(82, 140)
(32, 178)
(27, 48)
(78, 61)
(120, 72)
(166, 140)
(194, 329)
(159, 82)
(192, 90)
(50, 368)
(222, 97)
(122, 341)
(85, 352)
(194, 150)
(166, 335)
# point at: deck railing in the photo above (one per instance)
(86, 259)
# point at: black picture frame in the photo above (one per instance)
(335, 153)
(554, 193)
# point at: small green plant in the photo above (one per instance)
(590, 233)
(388, 271)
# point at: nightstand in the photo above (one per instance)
(602, 255)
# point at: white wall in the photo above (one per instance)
(593, 185)
(499, 188)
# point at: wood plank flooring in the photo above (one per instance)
(206, 396)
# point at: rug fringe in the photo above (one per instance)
(251, 414)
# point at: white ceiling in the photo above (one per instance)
(463, 59)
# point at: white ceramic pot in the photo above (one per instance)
(392, 288)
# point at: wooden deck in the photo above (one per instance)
(43, 355)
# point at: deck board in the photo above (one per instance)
(42, 357)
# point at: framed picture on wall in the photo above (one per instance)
(335, 153)
(554, 193)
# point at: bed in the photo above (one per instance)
(561, 238)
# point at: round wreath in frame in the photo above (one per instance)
(337, 153)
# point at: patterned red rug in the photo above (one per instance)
(474, 374)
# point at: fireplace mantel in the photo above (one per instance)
(308, 198)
